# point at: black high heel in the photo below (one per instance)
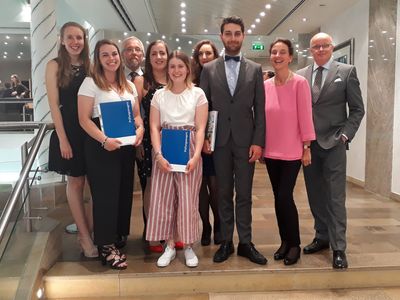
(112, 256)
(282, 251)
(292, 256)
(206, 236)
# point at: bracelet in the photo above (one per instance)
(104, 142)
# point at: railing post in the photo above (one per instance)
(25, 191)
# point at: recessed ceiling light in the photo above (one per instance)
(183, 25)
(21, 53)
(22, 43)
(163, 37)
(183, 30)
(393, 44)
(290, 30)
(183, 12)
(262, 14)
(253, 26)
(384, 31)
(25, 37)
(257, 20)
(125, 33)
(297, 45)
(268, 6)
(304, 19)
(5, 43)
(119, 41)
(148, 34)
(190, 42)
(304, 55)
(4, 56)
(391, 38)
(7, 37)
(370, 46)
(177, 39)
(5, 52)
(147, 42)
(183, 19)
(179, 47)
(371, 41)
(183, 4)
(19, 57)
(205, 30)
(249, 31)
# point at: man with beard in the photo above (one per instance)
(234, 87)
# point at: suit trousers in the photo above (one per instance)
(283, 175)
(326, 189)
(234, 172)
(110, 176)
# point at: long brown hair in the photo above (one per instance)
(196, 67)
(98, 71)
(149, 80)
(64, 73)
(183, 57)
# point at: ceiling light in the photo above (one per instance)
(177, 39)
(249, 31)
(183, 13)
(253, 26)
(119, 41)
(4, 56)
(5, 43)
(148, 34)
(393, 44)
(304, 19)
(183, 25)
(190, 42)
(262, 14)
(125, 33)
(5, 52)
(147, 42)
(297, 45)
(25, 37)
(22, 43)
(268, 6)
(371, 41)
(309, 57)
(179, 47)
(21, 53)
(370, 46)
(384, 31)
(19, 57)
(163, 37)
(290, 30)
(183, 4)
(205, 30)
(183, 19)
(183, 30)
(391, 38)
(257, 20)
(7, 37)
(40, 293)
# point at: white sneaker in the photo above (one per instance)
(191, 259)
(166, 258)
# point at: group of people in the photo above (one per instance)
(286, 121)
(14, 89)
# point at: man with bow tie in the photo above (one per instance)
(234, 87)
(334, 88)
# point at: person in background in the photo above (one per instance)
(289, 132)
(204, 52)
(64, 75)
(110, 166)
(338, 109)
(7, 92)
(19, 90)
(133, 56)
(153, 79)
(174, 198)
(234, 87)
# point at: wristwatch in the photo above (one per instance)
(306, 147)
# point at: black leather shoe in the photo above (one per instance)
(292, 256)
(249, 251)
(121, 241)
(224, 251)
(339, 260)
(281, 252)
(315, 246)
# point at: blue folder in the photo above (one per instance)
(175, 147)
(117, 121)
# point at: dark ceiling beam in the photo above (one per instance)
(120, 9)
(286, 16)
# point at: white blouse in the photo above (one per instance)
(90, 89)
(178, 109)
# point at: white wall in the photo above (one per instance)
(396, 121)
(354, 23)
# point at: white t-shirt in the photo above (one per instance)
(90, 89)
(178, 109)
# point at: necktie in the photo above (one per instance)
(132, 75)
(316, 89)
(235, 58)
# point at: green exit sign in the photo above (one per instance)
(258, 47)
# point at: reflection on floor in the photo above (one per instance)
(373, 244)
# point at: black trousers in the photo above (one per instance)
(110, 176)
(283, 175)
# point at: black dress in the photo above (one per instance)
(145, 166)
(68, 98)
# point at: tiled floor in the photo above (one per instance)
(373, 241)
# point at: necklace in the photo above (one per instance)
(277, 82)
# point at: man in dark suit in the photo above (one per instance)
(234, 87)
(334, 87)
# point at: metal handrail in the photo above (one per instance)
(17, 190)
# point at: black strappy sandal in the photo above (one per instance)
(113, 257)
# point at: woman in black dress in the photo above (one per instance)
(204, 52)
(64, 76)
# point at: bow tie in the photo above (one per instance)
(235, 58)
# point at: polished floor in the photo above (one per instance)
(373, 242)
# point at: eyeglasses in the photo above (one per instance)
(132, 50)
(323, 46)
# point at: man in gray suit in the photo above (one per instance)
(234, 87)
(334, 87)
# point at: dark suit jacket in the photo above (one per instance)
(243, 114)
(341, 89)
